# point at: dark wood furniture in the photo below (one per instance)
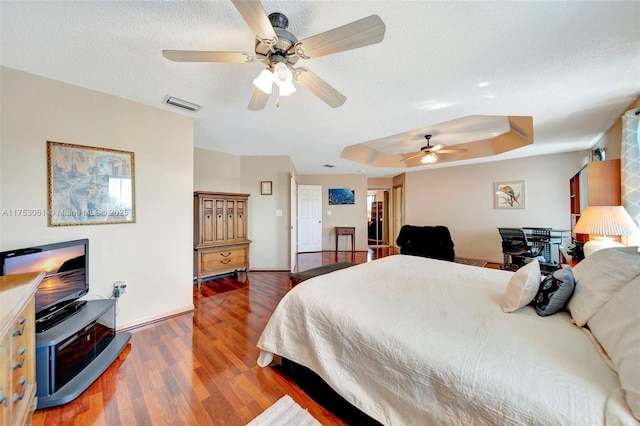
(220, 238)
(596, 184)
(346, 230)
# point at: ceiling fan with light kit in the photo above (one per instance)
(280, 50)
(428, 152)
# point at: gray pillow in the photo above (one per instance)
(554, 292)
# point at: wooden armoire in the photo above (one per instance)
(220, 238)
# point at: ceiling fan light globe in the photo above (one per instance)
(429, 158)
(264, 81)
(286, 88)
(281, 74)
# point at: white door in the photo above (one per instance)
(309, 218)
(292, 217)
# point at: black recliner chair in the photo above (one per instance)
(426, 241)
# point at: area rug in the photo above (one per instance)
(472, 262)
(284, 411)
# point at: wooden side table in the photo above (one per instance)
(346, 230)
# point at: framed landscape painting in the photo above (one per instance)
(509, 195)
(89, 185)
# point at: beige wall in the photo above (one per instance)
(269, 232)
(462, 198)
(380, 183)
(216, 171)
(271, 248)
(152, 255)
(347, 215)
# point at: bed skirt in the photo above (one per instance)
(323, 394)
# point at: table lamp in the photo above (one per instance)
(604, 221)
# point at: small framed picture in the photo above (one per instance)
(509, 195)
(266, 187)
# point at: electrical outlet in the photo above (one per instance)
(118, 288)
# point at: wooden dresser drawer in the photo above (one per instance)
(223, 255)
(22, 363)
(219, 260)
(17, 348)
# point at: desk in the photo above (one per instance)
(546, 238)
(347, 230)
(549, 242)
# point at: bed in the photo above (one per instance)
(411, 340)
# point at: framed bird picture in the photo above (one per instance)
(509, 195)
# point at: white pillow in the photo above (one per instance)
(617, 327)
(522, 287)
(598, 277)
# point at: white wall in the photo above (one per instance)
(153, 255)
(462, 198)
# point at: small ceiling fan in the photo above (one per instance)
(428, 152)
(280, 50)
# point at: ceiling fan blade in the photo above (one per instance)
(435, 148)
(319, 87)
(412, 156)
(256, 18)
(258, 100)
(451, 150)
(366, 31)
(204, 56)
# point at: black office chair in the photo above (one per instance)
(516, 247)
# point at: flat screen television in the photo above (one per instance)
(66, 265)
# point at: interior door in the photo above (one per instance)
(309, 218)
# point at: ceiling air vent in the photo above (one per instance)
(181, 104)
(328, 165)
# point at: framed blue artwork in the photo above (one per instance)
(342, 196)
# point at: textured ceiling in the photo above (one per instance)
(572, 66)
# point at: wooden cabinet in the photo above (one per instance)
(17, 347)
(220, 236)
(597, 184)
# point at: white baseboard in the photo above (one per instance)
(148, 320)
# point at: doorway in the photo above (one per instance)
(378, 217)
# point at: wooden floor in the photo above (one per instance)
(200, 368)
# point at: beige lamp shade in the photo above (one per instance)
(604, 221)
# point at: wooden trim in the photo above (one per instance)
(223, 194)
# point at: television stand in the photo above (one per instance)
(60, 315)
(72, 354)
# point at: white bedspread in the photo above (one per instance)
(417, 341)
